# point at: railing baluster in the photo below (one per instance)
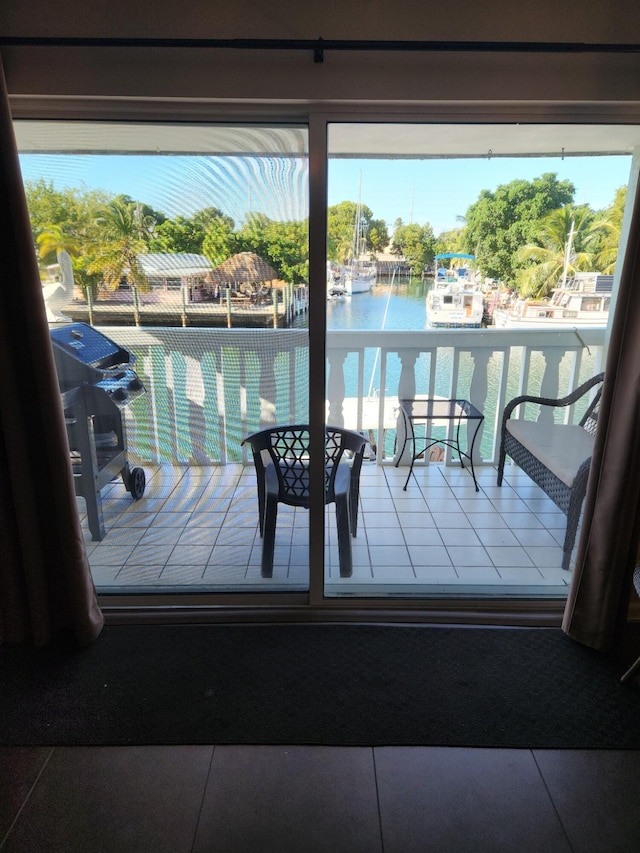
(181, 414)
(478, 397)
(161, 404)
(550, 386)
(406, 391)
(214, 444)
(267, 392)
(336, 386)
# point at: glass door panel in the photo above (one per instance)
(464, 263)
(174, 262)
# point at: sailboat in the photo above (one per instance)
(360, 275)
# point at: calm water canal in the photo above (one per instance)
(391, 307)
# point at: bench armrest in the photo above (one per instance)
(575, 395)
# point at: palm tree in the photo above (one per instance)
(610, 228)
(564, 236)
(125, 233)
(54, 239)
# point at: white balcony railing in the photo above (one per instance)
(208, 388)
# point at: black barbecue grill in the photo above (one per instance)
(97, 382)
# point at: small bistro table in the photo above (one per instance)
(428, 409)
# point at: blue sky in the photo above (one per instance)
(434, 191)
(440, 191)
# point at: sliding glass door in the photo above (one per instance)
(327, 275)
(174, 262)
(466, 265)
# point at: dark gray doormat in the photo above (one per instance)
(318, 684)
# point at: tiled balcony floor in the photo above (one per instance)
(196, 529)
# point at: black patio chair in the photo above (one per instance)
(281, 459)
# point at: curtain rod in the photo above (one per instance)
(319, 45)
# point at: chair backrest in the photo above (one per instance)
(338, 442)
(287, 448)
(590, 418)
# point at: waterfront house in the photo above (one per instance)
(170, 274)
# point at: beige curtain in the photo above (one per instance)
(598, 598)
(45, 582)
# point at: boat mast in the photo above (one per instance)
(357, 247)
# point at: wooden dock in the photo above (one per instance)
(230, 313)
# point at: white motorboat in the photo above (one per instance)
(454, 306)
(454, 302)
(583, 300)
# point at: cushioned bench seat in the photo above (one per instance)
(562, 448)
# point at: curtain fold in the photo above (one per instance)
(45, 581)
(607, 550)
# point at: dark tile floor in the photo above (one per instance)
(283, 798)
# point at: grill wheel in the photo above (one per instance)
(137, 483)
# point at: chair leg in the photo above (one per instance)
(269, 535)
(261, 494)
(354, 499)
(569, 540)
(573, 517)
(344, 536)
(501, 461)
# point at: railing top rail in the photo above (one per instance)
(577, 336)
(470, 338)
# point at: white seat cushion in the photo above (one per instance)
(561, 447)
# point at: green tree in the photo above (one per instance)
(174, 236)
(341, 225)
(499, 223)
(186, 234)
(449, 241)
(285, 245)
(49, 207)
(255, 234)
(56, 239)
(288, 250)
(125, 231)
(67, 216)
(86, 275)
(417, 244)
(562, 241)
(377, 235)
(66, 219)
(151, 216)
(607, 229)
(220, 241)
